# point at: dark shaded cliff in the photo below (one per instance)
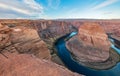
(50, 31)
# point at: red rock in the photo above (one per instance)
(4, 36)
(90, 45)
(93, 34)
(27, 65)
(50, 31)
(110, 26)
(23, 39)
(27, 40)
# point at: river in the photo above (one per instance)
(74, 66)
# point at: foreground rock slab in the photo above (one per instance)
(28, 65)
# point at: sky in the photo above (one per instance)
(59, 9)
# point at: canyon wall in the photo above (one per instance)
(50, 31)
(24, 53)
(37, 37)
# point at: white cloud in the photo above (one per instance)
(19, 9)
(54, 3)
(32, 4)
(105, 3)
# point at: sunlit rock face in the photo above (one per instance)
(91, 44)
(28, 65)
(110, 26)
(26, 40)
(22, 39)
(93, 34)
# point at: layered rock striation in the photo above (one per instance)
(23, 51)
(91, 47)
(50, 31)
(21, 39)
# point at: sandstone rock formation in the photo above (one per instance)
(90, 45)
(50, 31)
(93, 41)
(4, 36)
(20, 36)
(19, 39)
(110, 26)
(27, 41)
(28, 65)
(23, 39)
(94, 35)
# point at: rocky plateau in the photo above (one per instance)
(27, 46)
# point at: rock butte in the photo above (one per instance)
(94, 34)
(91, 43)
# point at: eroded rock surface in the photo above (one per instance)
(91, 41)
(90, 45)
(4, 36)
(23, 39)
(50, 31)
(110, 26)
(28, 41)
(27, 65)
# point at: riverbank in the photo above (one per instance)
(73, 65)
(112, 61)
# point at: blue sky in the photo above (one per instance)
(56, 9)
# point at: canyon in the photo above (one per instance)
(32, 42)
